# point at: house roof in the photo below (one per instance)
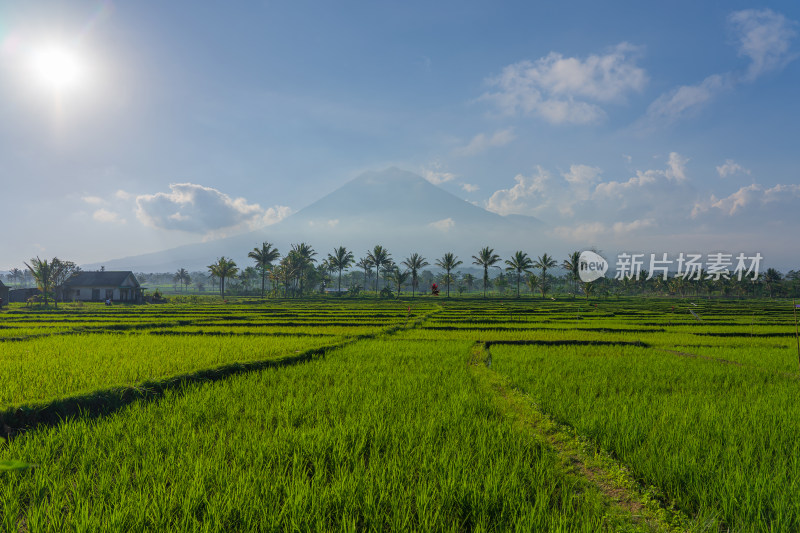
(107, 278)
(2, 284)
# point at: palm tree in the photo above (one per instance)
(400, 278)
(222, 269)
(469, 279)
(182, 277)
(533, 282)
(572, 265)
(771, 278)
(520, 262)
(485, 258)
(305, 258)
(448, 262)
(379, 256)
(544, 262)
(42, 272)
(367, 265)
(415, 263)
(264, 257)
(16, 275)
(340, 260)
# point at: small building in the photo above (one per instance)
(22, 295)
(4, 294)
(115, 285)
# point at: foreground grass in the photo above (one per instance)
(382, 435)
(721, 440)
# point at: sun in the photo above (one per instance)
(57, 67)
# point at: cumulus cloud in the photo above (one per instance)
(469, 187)
(581, 203)
(731, 167)
(444, 225)
(568, 89)
(517, 199)
(437, 177)
(123, 195)
(198, 209)
(754, 197)
(764, 37)
(482, 142)
(104, 215)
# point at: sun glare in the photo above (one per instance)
(57, 67)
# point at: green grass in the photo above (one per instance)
(385, 435)
(392, 431)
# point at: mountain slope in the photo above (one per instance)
(395, 208)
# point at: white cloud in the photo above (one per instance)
(93, 200)
(518, 198)
(332, 223)
(731, 167)
(686, 99)
(123, 195)
(764, 37)
(481, 142)
(469, 187)
(436, 177)
(198, 209)
(597, 231)
(753, 196)
(566, 89)
(104, 215)
(676, 167)
(443, 225)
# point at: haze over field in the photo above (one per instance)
(151, 136)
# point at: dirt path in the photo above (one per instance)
(640, 506)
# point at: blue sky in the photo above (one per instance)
(667, 126)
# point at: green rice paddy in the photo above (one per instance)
(426, 415)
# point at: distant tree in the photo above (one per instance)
(60, 272)
(469, 279)
(183, 278)
(264, 257)
(572, 265)
(485, 258)
(304, 262)
(414, 263)
(771, 278)
(544, 262)
(400, 277)
(223, 268)
(17, 275)
(519, 263)
(533, 282)
(367, 265)
(379, 256)
(448, 262)
(341, 259)
(42, 272)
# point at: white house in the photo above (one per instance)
(118, 286)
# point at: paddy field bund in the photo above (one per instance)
(453, 415)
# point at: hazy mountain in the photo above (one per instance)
(398, 209)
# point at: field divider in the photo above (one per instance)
(16, 421)
(628, 499)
